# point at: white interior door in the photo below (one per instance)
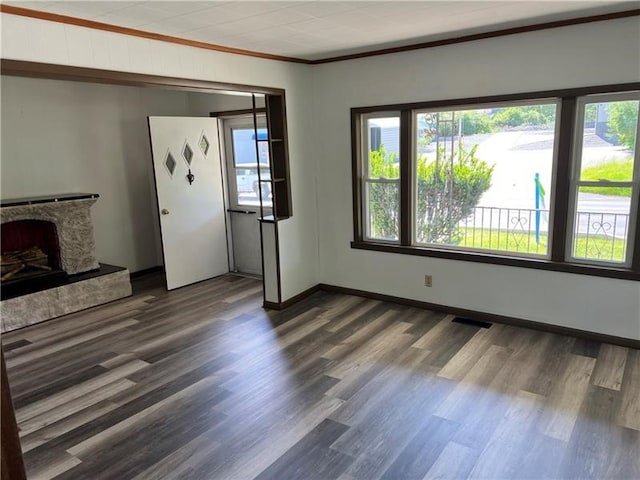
(192, 214)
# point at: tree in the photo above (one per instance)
(590, 113)
(526, 115)
(447, 192)
(474, 122)
(623, 121)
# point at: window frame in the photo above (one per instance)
(576, 182)
(366, 179)
(560, 223)
(470, 107)
(229, 125)
(261, 120)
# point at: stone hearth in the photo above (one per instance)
(85, 283)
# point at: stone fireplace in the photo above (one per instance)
(49, 263)
(71, 217)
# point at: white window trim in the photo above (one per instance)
(576, 183)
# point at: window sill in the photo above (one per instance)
(493, 259)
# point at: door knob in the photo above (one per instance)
(164, 211)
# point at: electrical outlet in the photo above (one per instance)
(428, 281)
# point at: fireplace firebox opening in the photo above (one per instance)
(29, 248)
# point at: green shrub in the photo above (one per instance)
(590, 113)
(446, 193)
(384, 200)
(623, 119)
(527, 115)
(383, 164)
(474, 122)
(509, 117)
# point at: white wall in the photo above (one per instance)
(592, 54)
(318, 103)
(60, 136)
(49, 42)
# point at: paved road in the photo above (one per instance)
(603, 215)
(517, 157)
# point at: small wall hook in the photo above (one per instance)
(191, 177)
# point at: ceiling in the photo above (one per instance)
(313, 30)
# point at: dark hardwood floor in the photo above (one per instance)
(202, 383)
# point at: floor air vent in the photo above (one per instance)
(473, 323)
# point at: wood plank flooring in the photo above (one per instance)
(202, 383)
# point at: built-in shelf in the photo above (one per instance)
(279, 157)
(273, 180)
(271, 219)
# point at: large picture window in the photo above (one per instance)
(548, 180)
(483, 177)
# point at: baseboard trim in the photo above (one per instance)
(293, 300)
(488, 317)
(272, 305)
(147, 271)
(460, 312)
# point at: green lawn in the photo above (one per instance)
(503, 241)
(596, 248)
(600, 249)
(619, 170)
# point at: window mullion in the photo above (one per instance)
(357, 176)
(406, 214)
(563, 180)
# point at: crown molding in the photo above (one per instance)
(53, 17)
(133, 32)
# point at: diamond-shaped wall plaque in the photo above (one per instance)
(187, 153)
(170, 164)
(204, 144)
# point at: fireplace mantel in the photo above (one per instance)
(63, 197)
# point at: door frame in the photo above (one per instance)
(22, 68)
(225, 126)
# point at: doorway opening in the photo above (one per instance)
(245, 150)
(145, 248)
